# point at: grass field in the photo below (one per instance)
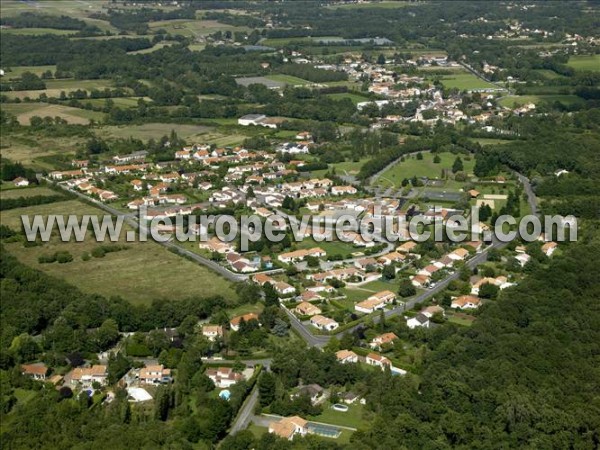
(143, 272)
(16, 72)
(422, 168)
(151, 49)
(28, 147)
(343, 168)
(192, 28)
(25, 111)
(383, 4)
(79, 9)
(121, 102)
(585, 62)
(287, 79)
(36, 31)
(354, 97)
(26, 192)
(465, 81)
(513, 100)
(152, 130)
(55, 87)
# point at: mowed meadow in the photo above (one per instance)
(140, 273)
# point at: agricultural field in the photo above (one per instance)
(585, 62)
(25, 111)
(142, 272)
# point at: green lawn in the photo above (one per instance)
(424, 168)
(331, 248)
(141, 273)
(512, 101)
(465, 81)
(288, 79)
(585, 62)
(352, 418)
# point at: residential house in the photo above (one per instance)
(36, 371)
(374, 359)
(382, 339)
(420, 320)
(212, 332)
(363, 263)
(370, 305)
(234, 323)
(284, 289)
(155, 374)
(288, 427)
(549, 248)
(407, 247)
(299, 255)
(21, 182)
(343, 190)
(346, 356)
(466, 302)
(323, 323)
(420, 281)
(86, 376)
(460, 254)
(430, 311)
(223, 377)
(307, 309)
(392, 257)
(313, 391)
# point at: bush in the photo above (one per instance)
(64, 257)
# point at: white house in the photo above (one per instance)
(323, 323)
(420, 320)
(21, 182)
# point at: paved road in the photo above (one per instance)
(531, 198)
(311, 339)
(246, 412)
